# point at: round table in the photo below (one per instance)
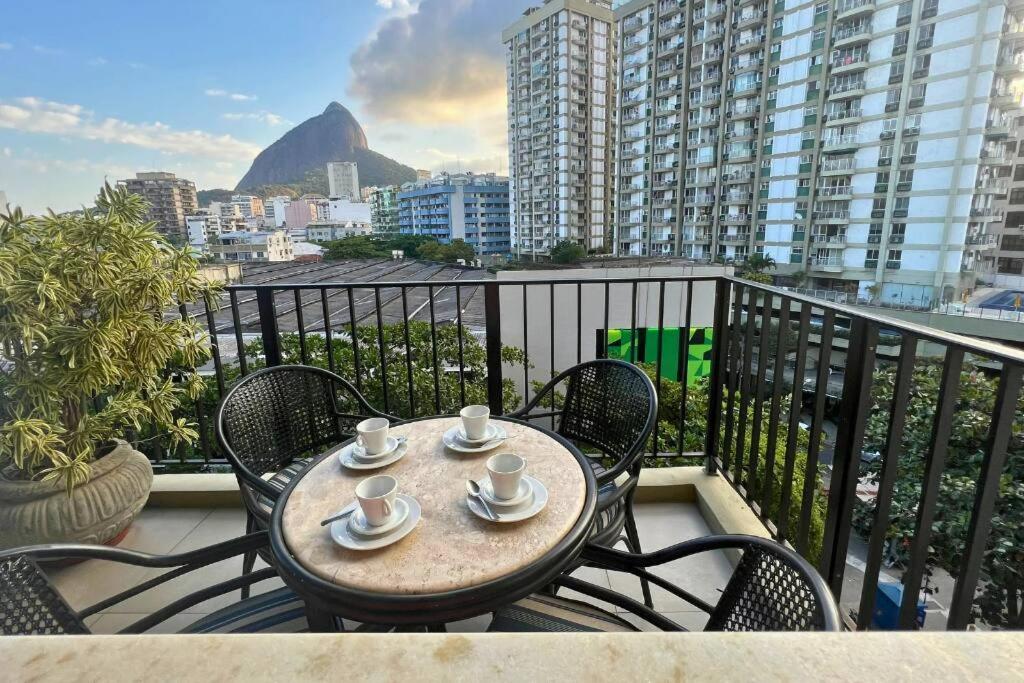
(453, 565)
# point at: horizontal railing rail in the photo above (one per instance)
(780, 393)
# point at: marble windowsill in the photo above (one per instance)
(989, 657)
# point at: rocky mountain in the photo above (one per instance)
(304, 151)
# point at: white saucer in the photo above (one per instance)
(523, 494)
(540, 499)
(357, 521)
(347, 458)
(359, 452)
(343, 536)
(492, 433)
(453, 441)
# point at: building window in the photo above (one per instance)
(1017, 196)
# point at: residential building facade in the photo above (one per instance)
(343, 180)
(384, 210)
(853, 141)
(337, 230)
(271, 246)
(170, 199)
(248, 205)
(299, 213)
(466, 206)
(276, 208)
(203, 227)
(560, 66)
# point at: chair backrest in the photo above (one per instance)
(29, 604)
(278, 414)
(767, 592)
(610, 405)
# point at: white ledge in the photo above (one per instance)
(989, 657)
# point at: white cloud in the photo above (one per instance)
(98, 61)
(43, 50)
(34, 115)
(441, 63)
(6, 46)
(398, 7)
(266, 117)
(235, 96)
(7, 152)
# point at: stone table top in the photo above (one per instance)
(450, 548)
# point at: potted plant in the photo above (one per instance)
(89, 357)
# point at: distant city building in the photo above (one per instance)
(306, 252)
(249, 205)
(170, 199)
(366, 192)
(466, 206)
(299, 213)
(384, 210)
(276, 208)
(343, 180)
(203, 227)
(560, 66)
(422, 175)
(337, 230)
(342, 210)
(252, 246)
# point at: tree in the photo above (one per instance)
(82, 320)
(1000, 602)
(567, 252)
(456, 250)
(420, 355)
(355, 247)
(758, 263)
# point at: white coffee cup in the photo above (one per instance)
(376, 497)
(474, 421)
(373, 435)
(505, 470)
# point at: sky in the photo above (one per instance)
(94, 90)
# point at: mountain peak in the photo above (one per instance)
(334, 135)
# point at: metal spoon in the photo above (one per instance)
(349, 509)
(474, 490)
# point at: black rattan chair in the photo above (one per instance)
(610, 406)
(771, 589)
(30, 605)
(274, 421)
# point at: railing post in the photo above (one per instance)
(719, 358)
(854, 408)
(492, 317)
(268, 326)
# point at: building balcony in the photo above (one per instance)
(734, 238)
(996, 186)
(848, 9)
(833, 167)
(836, 192)
(845, 117)
(852, 35)
(837, 241)
(846, 90)
(855, 60)
(834, 216)
(840, 143)
(829, 264)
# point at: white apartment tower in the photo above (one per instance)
(560, 63)
(854, 141)
(343, 180)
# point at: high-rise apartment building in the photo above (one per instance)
(170, 199)
(384, 210)
(249, 205)
(854, 141)
(467, 206)
(560, 65)
(343, 180)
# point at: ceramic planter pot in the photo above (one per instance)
(98, 511)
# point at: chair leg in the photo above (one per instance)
(634, 541)
(249, 558)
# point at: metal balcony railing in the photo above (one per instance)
(427, 346)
